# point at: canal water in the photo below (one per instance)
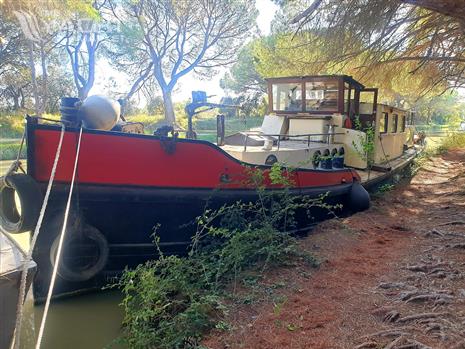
(91, 321)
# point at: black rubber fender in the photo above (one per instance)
(75, 234)
(30, 198)
(359, 198)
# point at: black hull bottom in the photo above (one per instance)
(126, 216)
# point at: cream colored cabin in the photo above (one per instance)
(315, 118)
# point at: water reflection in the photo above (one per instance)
(90, 321)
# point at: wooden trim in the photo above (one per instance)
(304, 97)
(346, 78)
(357, 101)
(270, 98)
(349, 102)
(312, 117)
(303, 80)
(340, 97)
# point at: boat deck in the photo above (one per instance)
(283, 146)
(11, 263)
(11, 256)
(371, 178)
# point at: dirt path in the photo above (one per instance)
(392, 277)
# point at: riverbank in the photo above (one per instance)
(393, 275)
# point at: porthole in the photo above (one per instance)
(270, 160)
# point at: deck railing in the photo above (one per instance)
(309, 136)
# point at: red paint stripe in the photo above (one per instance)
(119, 160)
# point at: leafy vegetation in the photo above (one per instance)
(387, 34)
(365, 147)
(452, 141)
(172, 301)
(292, 54)
(11, 125)
(9, 150)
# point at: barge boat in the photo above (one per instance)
(127, 182)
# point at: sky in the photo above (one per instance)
(188, 83)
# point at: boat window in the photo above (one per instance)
(271, 159)
(402, 123)
(393, 125)
(287, 97)
(366, 102)
(383, 123)
(321, 95)
(347, 94)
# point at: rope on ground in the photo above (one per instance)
(28, 258)
(60, 246)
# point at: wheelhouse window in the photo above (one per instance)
(383, 123)
(347, 97)
(287, 97)
(402, 121)
(393, 128)
(321, 96)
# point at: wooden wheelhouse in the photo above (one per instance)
(325, 113)
(314, 95)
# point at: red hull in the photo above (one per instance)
(126, 184)
(110, 158)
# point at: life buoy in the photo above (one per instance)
(84, 253)
(18, 220)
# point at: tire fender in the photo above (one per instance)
(72, 236)
(30, 198)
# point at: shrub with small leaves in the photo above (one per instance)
(172, 301)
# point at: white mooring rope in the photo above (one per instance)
(28, 259)
(60, 245)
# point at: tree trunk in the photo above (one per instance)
(15, 96)
(43, 58)
(35, 89)
(170, 118)
(23, 102)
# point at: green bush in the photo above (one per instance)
(11, 125)
(9, 150)
(171, 302)
(452, 141)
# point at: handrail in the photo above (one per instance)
(258, 133)
(308, 135)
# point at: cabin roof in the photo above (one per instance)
(346, 78)
(392, 107)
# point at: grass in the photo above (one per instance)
(435, 128)
(206, 128)
(11, 125)
(9, 150)
(204, 125)
(12, 128)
